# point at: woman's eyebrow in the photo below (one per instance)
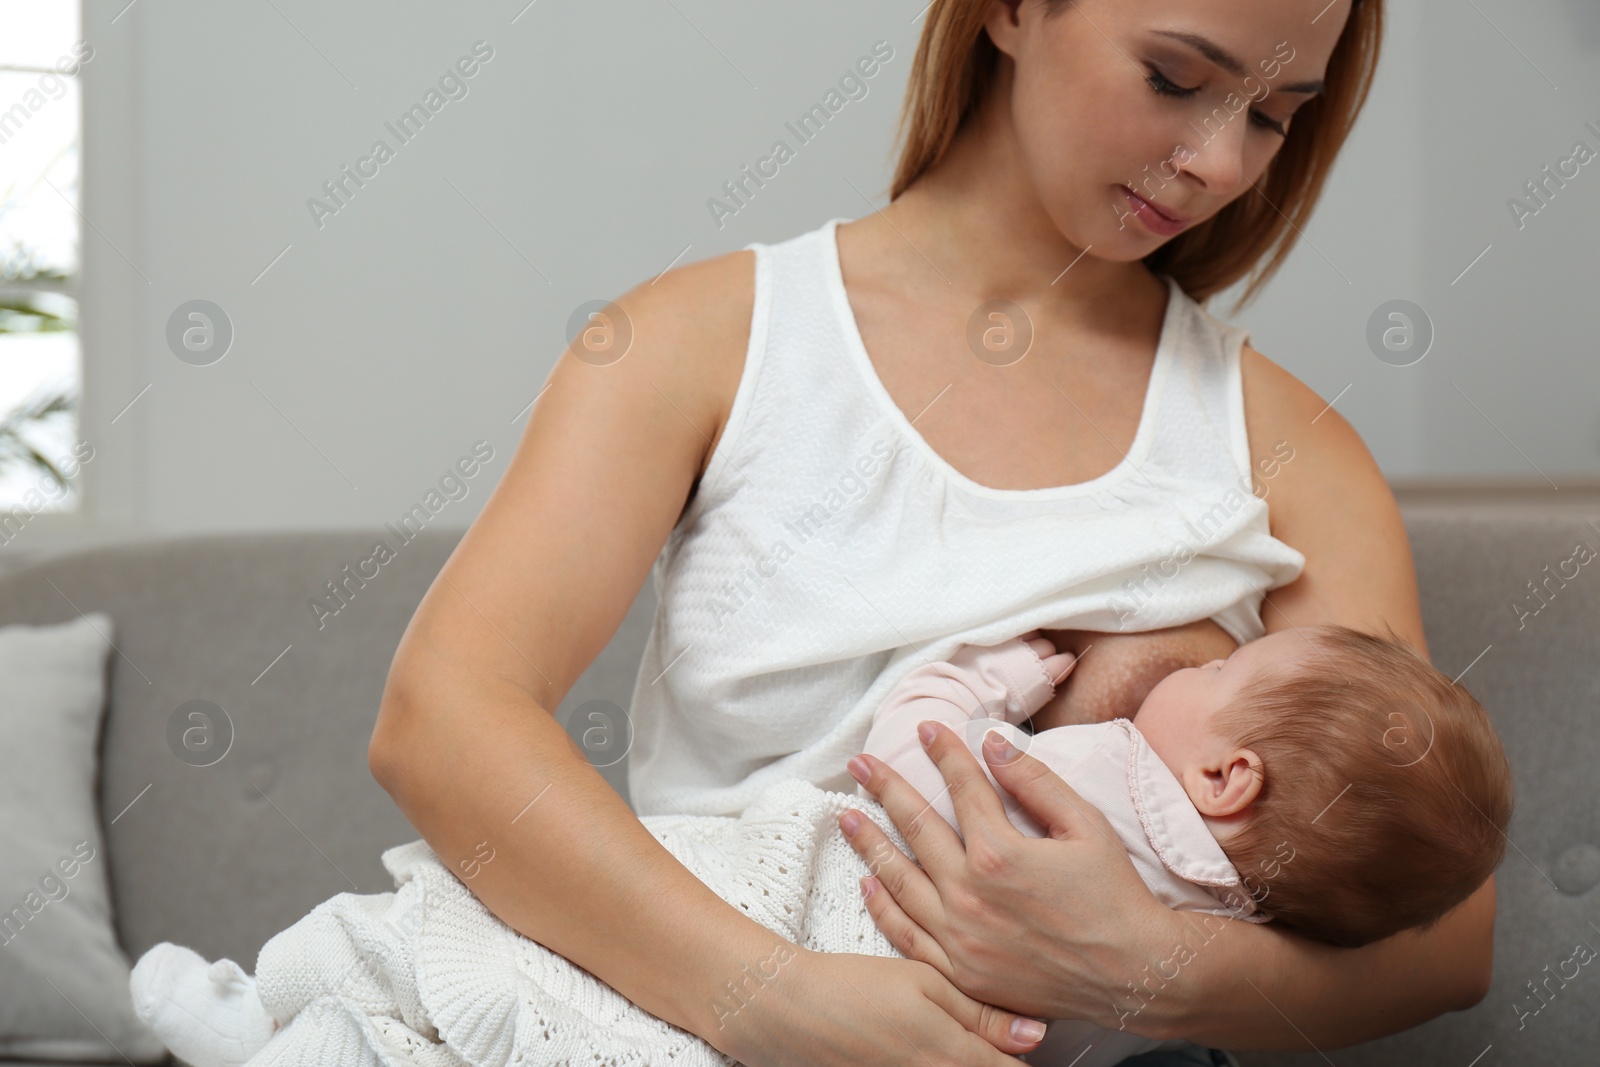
(1228, 62)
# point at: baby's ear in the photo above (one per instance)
(1228, 786)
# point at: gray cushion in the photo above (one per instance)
(64, 977)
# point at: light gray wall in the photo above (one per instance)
(1472, 101)
(1518, 332)
(372, 352)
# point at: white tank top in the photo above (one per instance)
(829, 549)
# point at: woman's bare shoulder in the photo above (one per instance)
(1327, 498)
(697, 321)
(1289, 424)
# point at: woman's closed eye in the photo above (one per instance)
(1165, 87)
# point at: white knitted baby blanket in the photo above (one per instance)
(426, 975)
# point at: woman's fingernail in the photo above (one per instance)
(927, 732)
(999, 745)
(859, 770)
(850, 822)
(869, 886)
(1027, 1030)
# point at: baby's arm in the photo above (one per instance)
(979, 688)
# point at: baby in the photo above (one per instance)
(1325, 778)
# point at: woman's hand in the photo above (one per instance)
(1056, 927)
(827, 1008)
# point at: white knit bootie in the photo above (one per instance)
(207, 1014)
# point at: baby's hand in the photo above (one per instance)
(1056, 665)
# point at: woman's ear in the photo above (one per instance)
(1228, 785)
(1004, 24)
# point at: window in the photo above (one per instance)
(40, 364)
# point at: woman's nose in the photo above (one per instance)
(1216, 154)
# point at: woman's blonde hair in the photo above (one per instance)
(954, 69)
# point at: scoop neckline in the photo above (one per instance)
(1143, 438)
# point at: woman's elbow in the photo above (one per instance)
(391, 738)
(381, 758)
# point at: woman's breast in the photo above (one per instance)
(1116, 671)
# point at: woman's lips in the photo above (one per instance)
(1152, 216)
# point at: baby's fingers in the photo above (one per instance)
(1059, 666)
(1042, 646)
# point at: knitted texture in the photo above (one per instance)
(426, 975)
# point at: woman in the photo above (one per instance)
(1025, 120)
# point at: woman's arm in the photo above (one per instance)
(1324, 996)
(466, 744)
(466, 741)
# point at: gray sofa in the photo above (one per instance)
(222, 857)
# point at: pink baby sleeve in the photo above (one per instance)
(979, 685)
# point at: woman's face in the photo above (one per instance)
(1109, 96)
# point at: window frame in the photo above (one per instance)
(112, 303)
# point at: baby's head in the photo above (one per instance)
(1355, 788)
